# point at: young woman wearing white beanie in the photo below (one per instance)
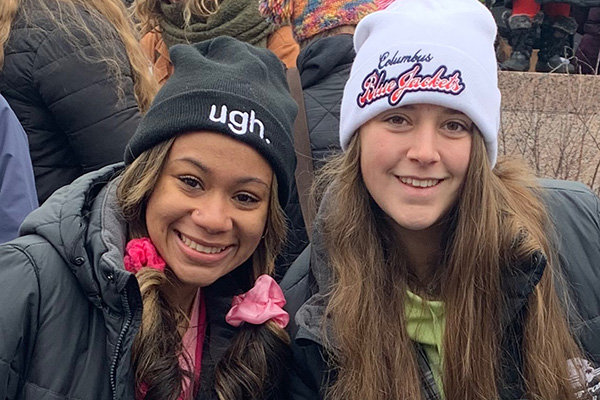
(433, 271)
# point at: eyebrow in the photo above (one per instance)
(446, 110)
(207, 170)
(194, 162)
(452, 111)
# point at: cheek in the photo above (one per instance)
(156, 215)
(153, 221)
(254, 228)
(465, 161)
(459, 157)
(375, 161)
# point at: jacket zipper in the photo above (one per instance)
(115, 360)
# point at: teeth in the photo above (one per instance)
(198, 247)
(420, 183)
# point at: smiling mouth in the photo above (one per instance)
(420, 183)
(198, 247)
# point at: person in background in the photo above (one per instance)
(152, 281)
(588, 52)
(556, 35)
(164, 23)
(433, 272)
(75, 75)
(324, 30)
(17, 187)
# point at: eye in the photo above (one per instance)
(246, 199)
(396, 120)
(191, 181)
(457, 127)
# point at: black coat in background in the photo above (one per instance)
(69, 103)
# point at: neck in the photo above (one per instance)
(423, 250)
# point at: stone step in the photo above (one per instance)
(544, 92)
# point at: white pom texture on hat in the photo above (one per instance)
(425, 51)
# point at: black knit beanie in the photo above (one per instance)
(226, 86)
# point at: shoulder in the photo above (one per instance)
(30, 271)
(574, 188)
(569, 201)
(574, 211)
(55, 31)
(31, 258)
(296, 284)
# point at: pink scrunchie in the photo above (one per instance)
(141, 253)
(260, 304)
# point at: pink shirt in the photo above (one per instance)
(193, 341)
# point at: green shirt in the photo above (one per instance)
(425, 321)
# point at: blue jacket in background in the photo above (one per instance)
(17, 187)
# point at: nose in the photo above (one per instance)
(424, 146)
(212, 214)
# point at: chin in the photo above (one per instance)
(416, 225)
(194, 279)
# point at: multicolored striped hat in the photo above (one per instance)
(311, 17)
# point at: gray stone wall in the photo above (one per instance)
(553, 122)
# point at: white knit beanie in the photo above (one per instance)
(425, 51)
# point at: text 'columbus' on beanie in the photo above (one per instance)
(437, 52)
(311, 17)
(230, 87)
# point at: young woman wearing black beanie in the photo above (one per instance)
(152, 281)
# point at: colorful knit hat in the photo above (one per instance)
(311, 17)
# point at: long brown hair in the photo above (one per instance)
(254, 362)
(369, 345)
(100, 12)
(148, 13)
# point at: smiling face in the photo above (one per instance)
(414, 160)
(209, 207)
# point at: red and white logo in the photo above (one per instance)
(376, 85)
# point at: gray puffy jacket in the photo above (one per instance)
(69, 310)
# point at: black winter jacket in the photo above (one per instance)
(66, 100)
(69, 310)
(324, 67)
(575, 211)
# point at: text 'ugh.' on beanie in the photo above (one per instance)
(230, 87)
(425, 51)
